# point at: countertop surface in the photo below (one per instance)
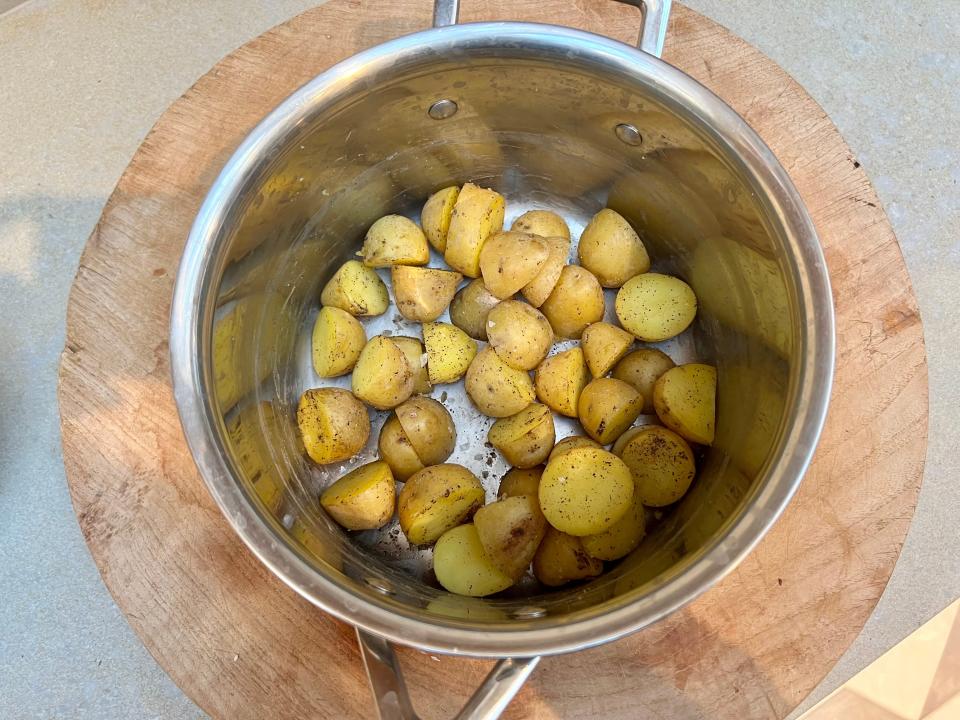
(83, 82)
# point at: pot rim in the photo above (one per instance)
(192, 316)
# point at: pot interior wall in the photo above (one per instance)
(541, 130)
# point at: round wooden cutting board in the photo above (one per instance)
(243, 645)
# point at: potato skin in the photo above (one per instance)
(449, 352)
(520, 334)
(462, 566)
(496, 389)
(607, 407)
(569, 443)
(435, 216)
(357, 290)
(560, 379)
(621, 538)
(685, 398)
(520, 481)
(412, 349)
(397, 451)
(543, 223)
(337, 341)
(436, 499)
(423, 294)
(525, 439)
(334, 425)
(561, 558)
(585, 491)
(661, 463)
(642, 368)
(575, 302)
(363, 499)
(655, 307)
(477, 214)
(510, 531)
(611, 249)
(538, 290)
(429, 427)
(470, 308)
(510, 260)
(394, 240)
(603, 345)
(382, 377)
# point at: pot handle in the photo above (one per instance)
(653, 25)
(393, 701)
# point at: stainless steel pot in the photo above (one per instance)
(550, 117)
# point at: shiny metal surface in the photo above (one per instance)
(653, 26)
(538, 110)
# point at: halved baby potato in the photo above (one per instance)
(436, 499)
(607, 407)
(575, 302)
(334, 425)
(525, 439)
(520, 481)
(429, 427)
(561, 558)
(538, 290)
(356, 289)
(435, 216)
(363, 499)
(585, 491)
(642, 368)
(423, 294)
(463, 567)
(661, 463)
(611, 249)
(477, 214)
(396, 450)
(560, 379)
(382, 377)
(655, 307)
(470, 308)
(621, 538)
(394, 240)
(337, 341)
(449, 351)
(603, 345)
(570, 443)
(520, 334)
(510, 260)
(413, 350)
(543, 223)
(510, 531)
(496, 389)
(685, 398)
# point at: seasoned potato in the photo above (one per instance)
(356, 289)
(477, 214)
(561, 558)
(622, 537)
(413, 350)
(429, 427)
(585, 491)
(525, 439)
(449, 352)
(612, 250)
(603, 345)
(397, 451)
(363, 499)
(470, 308)
(685, 398)
(625, 438)
(538, 290)
(435, 216)
(575, 302)
(661, 464)
(560, 379)
(462, 566)
(642, 368)
(334, 425)
(543, 223)
(423, 293)
(520, 481)
(338, 339)
(394, 240)
(569, 443)
(607, 407)
(510, 531)
(510, 260)
(382, 376)
(436, 499)
(520, 334)
(655, 307)
(497, 389)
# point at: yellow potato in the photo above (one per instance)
(470, 308)
(497, 389)
(543, 223)
(685, 398)
(334, 425)
(449, 352)
(394, 240)
(520, 334)
(477, 214)
(462, 566)
(561, 558)
(607, 407)
(435, 216)
(560, 379)
(429, 427)
(642, 368)
(423, 293)
(626, 437)
(655, 307)
(338, 339)
(413, 350)
(603, 345)
(585, 491)
(622, 538)
(382, 377)
(525, 439)
(575, 302)
(363, 499)
(397, 451)
(520, 481)
(356, 289)
(612, 250)
(538, 290)
(661, 464)
(436, 499)
(510, 531)
(570, 443)
(510, 260)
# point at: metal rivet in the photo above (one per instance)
(629, 134)
(442, 109)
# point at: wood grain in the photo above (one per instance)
(244, 646)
